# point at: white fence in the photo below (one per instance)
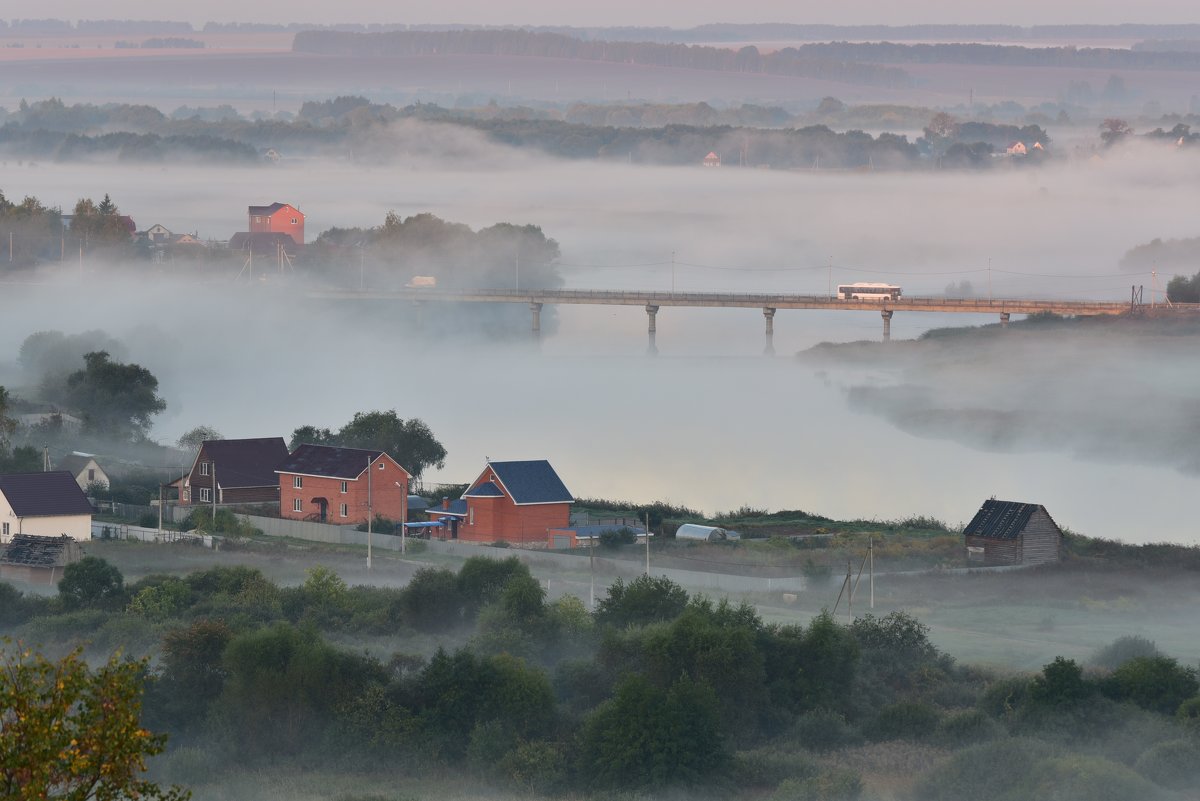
(123, 531)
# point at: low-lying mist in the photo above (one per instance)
(709, 422)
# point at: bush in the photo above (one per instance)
(92, 583)
(824, 730)
(645, 600)
(834, 785)
(433, 601)
(1004, 697)
(767, 767)
(1189, 714)
(1174, 764)
(981, 772)
(615, 538)
(1121, 650)
(535, 767)
(1157, 683)
(908, 720)
(967, 728)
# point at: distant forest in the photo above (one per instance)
(355, 128)
(787, 61)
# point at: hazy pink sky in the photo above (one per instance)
(615, 12)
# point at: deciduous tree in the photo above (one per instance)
(68, 733)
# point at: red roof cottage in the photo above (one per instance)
(342, 485)
(518, 502)
(278, 218)
(243, 469)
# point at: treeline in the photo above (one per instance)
(787, 61)
(655, 689)
(122, 146)
(1001, 55)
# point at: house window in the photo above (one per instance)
(295, 221)
(91, 474)
(297, 482)
(471, 515)
(204, 468)
(205, 495)
(5, 531)
(381, 465)
(344, 487)
(345, 510)
(297, 505)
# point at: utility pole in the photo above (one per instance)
(871, 556)
(160, 507)
(10, 247)
(989, 280)
(370, 507)
(517, 267)
(647, 545)
(672, 277)
(849, 591)
(592, 570)
(214, 493)
(831, 277)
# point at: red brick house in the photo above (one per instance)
(518, 502)
(244, 470)
(342, 485)
(278, 218)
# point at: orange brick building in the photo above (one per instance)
(278, 218)
(342, 486)
(518, 502)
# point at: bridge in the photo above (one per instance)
(769, 303)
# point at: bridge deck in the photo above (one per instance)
(739, 300)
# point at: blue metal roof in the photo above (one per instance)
(458, 508)
(531, 482)
(485, 490)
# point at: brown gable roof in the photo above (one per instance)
(44, 494)
(333, 462)
(245, 462)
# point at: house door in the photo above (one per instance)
(323, 508)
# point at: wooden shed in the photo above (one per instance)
(1011, 533)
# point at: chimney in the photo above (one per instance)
(445, 504)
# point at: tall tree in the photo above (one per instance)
(410, 442)
(115, 400)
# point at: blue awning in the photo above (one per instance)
(423, 525)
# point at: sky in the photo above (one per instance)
(615, 12)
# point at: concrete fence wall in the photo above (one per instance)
(321, 532)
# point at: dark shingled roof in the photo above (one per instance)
(28, 550)
(531, 482)
(325, 460)
(487, 489)
(44, 494)
(246, 462)
(269, 210)
(1000, 520)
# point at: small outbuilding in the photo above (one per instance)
(1011, 533)
(85, 469)
(38, 560)
(698, 533)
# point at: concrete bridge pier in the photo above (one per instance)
(769, 316)
(887, 325)
(1004, 319)
(652, 329)
(535, 309)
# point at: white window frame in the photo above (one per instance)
(297, 482)
(471, 514)
(380, 464)
(344, 510)
(4, 531)
(297, 505)
(345, 488)
(204, 468)
(205, 495)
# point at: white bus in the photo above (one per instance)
(867, 291)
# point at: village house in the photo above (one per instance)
(1011, 533)
(344, 486)
(85, 469)
(38, 560)
(514, 502)
(711, 160)
(278, 218)
(157, 234)
(1017, 149)
(47, 504)
(243, 469)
